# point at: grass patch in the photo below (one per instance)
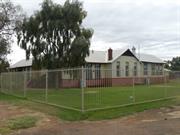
(94, 115)
(4, 131)
(17, 123)
(22, 122)
(129, 110)
(97, 98)
(102, 97)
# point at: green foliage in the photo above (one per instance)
(4, 65)
(4, 51)
(22, 122)
(10, 17)
(167, 64)
(55, 36)
(174, 64)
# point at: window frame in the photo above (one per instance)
(153, 69)
(97, 71)
(118, 69)
(135, 69)
(127, 69)
(89, 72)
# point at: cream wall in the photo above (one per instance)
(109, 70)
(140, 67)
(150, 69)
(123, 60)
(105, 70)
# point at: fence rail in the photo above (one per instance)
(86, 89)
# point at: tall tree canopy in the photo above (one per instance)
(54, 35)
(173, 64)
(10, 16)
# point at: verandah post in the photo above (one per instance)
(82, 89)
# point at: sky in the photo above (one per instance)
(152, 26)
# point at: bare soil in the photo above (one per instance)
(164, 121)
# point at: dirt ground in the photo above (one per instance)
(164, 121)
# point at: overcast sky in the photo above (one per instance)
(151, 25)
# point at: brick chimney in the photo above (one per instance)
(110, 54)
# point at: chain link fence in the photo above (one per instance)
(87, 89)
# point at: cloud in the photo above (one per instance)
(154, 25)
(136, 24)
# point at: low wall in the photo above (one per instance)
(127, 81)
(138, 80)
(108, 82)
(67, 83)
(122, 81)
(157, 80)
(104, 82)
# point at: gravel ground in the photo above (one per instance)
(164, 121)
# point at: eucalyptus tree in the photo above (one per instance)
(55, 36)
(10, 16)
(173, 64)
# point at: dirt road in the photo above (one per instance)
(164, 121)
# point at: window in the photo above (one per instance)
(135, 68)
(159, 69)
(89, 71)
(97, 71)
(145, 69)
(118, 72)
(127, 69)
(153, 69)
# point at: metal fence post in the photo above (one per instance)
(46, 91)
(82, 89)
(165, 88)
(1, 82)
(134, 98)
(25, 80)
(11, 90)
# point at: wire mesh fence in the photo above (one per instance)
(86, 89)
